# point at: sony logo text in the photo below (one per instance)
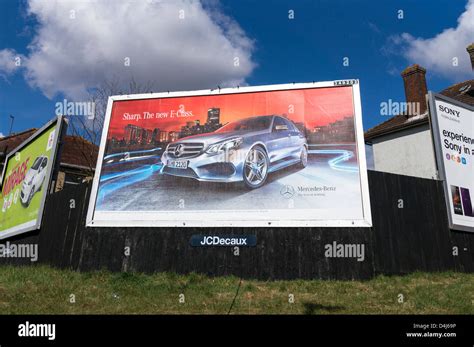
(448, 110)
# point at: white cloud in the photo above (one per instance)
(9, 62)
(80, 44)
(436, 54)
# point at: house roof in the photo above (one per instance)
(463, 92)
(80, 152)
(8, 143)
(75, 150)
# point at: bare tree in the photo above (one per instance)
(88, 130)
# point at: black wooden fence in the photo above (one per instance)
(402, 240)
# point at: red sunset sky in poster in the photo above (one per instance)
(314, 107)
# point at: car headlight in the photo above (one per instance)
(224, 146)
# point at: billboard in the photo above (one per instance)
(280, 155)
(452, 124)
(25, 180)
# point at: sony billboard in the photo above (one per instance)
(452, 125)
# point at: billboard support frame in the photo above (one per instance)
(359, 134)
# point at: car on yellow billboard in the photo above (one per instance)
(34, 180)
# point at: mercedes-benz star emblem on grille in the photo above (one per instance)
(178, 150)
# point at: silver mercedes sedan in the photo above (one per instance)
(245, 150)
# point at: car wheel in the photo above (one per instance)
(304, 157)
(30, 196)
(255, 168)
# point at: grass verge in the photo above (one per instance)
(44, 290)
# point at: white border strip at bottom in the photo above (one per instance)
(18, 229)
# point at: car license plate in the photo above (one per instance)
(178, 164)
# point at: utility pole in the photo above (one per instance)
(12, 118)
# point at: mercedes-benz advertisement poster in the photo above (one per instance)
(453, 133)
(25, 181)
(282, 155)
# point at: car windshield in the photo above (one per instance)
(37, 163)
(249, 124)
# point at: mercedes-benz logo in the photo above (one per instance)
(287, 191)
(178, 150)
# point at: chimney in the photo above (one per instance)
(415, 89)
(470, 50)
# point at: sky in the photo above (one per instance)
(60, 49)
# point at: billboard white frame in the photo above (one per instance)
(232, 218)
(438, 151)
(29, 226)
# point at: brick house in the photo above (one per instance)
(403, 144)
